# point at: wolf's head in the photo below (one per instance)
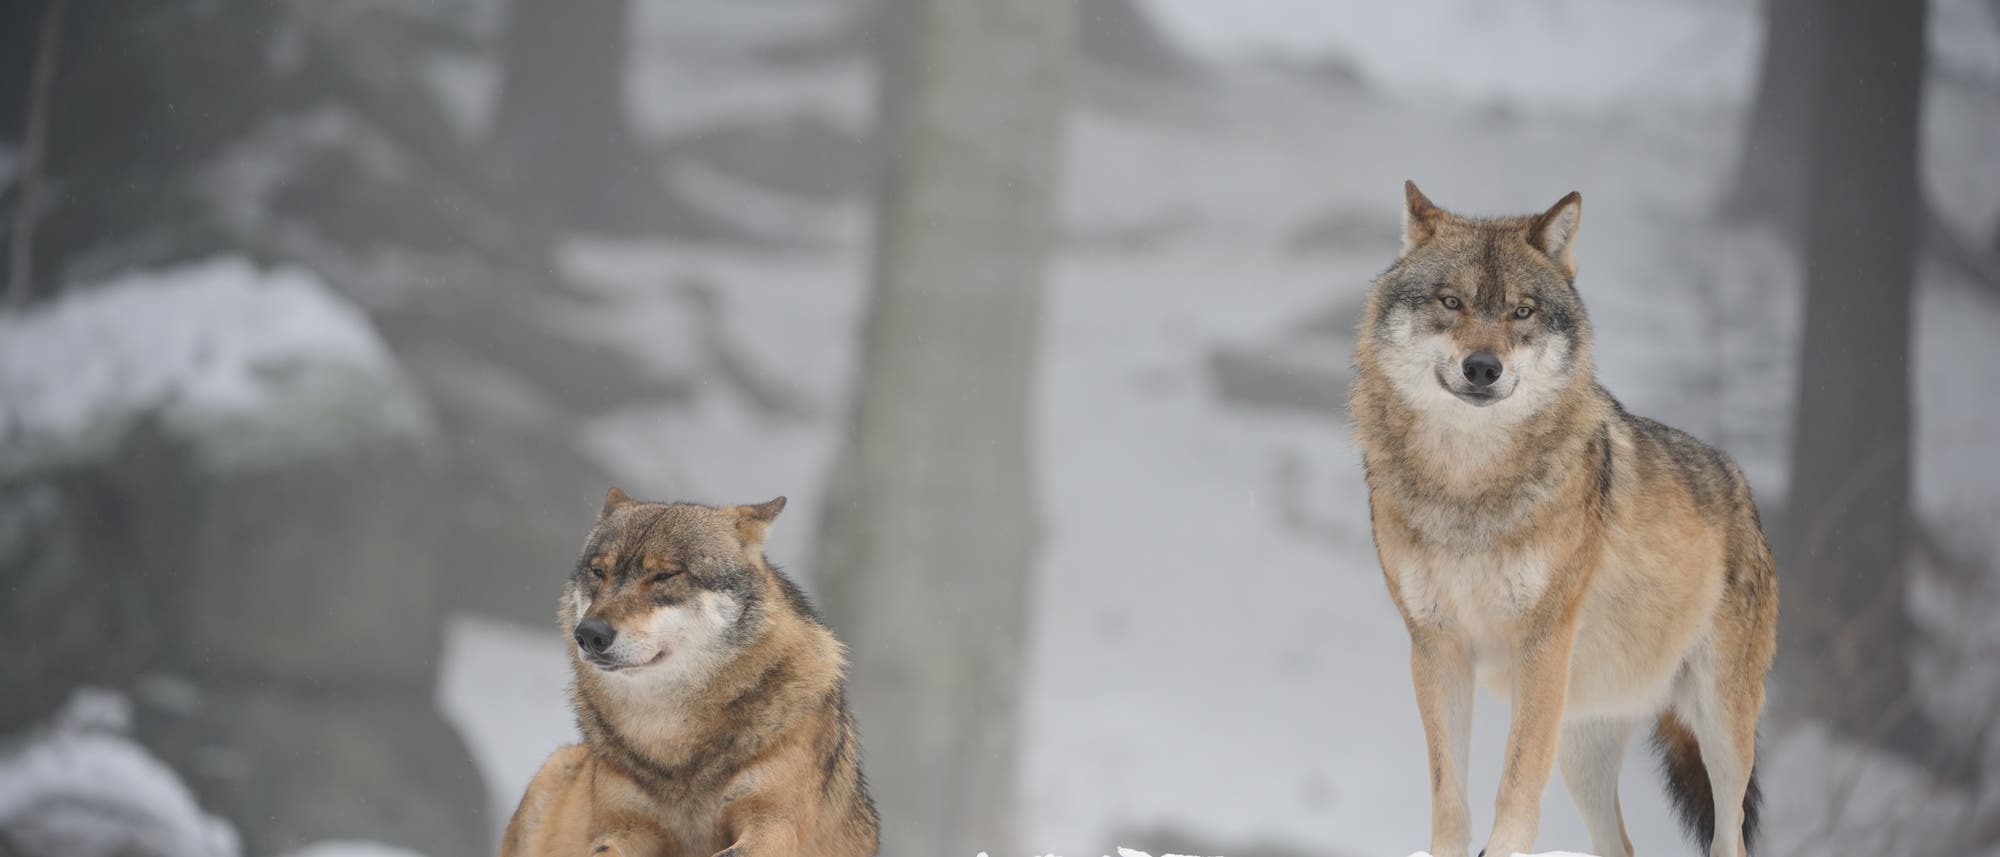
(1478, 319)
(668, 590)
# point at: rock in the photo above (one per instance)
(804, 154)
(507, 501)
(1357, 231)
(80, 787)
(246, 366)
(335, 762)
(1307, 366)
(1301, 375)
(231, 490)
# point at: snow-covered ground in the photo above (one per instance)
(1255, 689)
(1213, 652)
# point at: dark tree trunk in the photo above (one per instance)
(562, 134)
(1846, 638)
(34, 141)
(1771, 173)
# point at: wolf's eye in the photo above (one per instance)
(1452, 302)
(662, 577)
(597, 574)
(1523, 311)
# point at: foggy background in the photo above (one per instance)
(327, 324)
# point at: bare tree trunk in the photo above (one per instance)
(561, 130)
(1770, 181)
(1847, 638)
(21, 245)
(930, 537)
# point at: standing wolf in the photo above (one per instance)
(711, 700)
(1599, 569)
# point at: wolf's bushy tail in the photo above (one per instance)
(1687, 783)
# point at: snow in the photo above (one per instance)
(1212, 643)
(1133, 852)
(1517, 854)
(83, 789)
(351, 848)
(503, 688)
(1569, 53)
(1213, 646)
(80, 787)
(251, 365)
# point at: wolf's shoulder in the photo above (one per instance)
(1707, 471)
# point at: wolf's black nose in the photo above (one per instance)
(1482, 368)
(595, 636)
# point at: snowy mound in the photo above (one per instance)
(1133, 852)
(351, 848)
(83, 789)
(1125, 851)
(1542, 854)
(249, 366)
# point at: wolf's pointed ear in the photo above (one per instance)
(753, 522)
(1420, 218)
(1554, 232)
(614, 500)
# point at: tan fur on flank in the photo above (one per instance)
(720, 726)
(1601, 571)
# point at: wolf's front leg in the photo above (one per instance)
(764, 840)
(1541, 684)
(763, 825)
(631, 842)
(1441, 669)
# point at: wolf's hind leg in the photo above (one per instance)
(1590, 753)
(1720, 706)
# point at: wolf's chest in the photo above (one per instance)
(1482, 597)
(1473, 591)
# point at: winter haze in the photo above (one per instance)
(325, 326)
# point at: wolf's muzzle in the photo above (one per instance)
(1482, 368)
(595, 636)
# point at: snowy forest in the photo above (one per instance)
(326, 324)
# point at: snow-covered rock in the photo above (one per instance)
(250, 366)
(83, 789)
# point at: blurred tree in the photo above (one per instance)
(1770, 182)
(21, 238)
(1845, 546)
(562, 131)
(1120, 34)
(1771, 172)
(930, 535)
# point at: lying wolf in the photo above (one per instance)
(711, 699)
